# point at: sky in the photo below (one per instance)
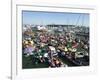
(45, 18)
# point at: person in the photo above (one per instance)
(31, 43)
(58, 63)
(74, 44)
(28, 50)
(53, 51)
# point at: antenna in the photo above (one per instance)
(78, 19)
(82, 21)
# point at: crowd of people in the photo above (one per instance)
(48, 47)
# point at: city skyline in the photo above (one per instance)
(64, 18)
